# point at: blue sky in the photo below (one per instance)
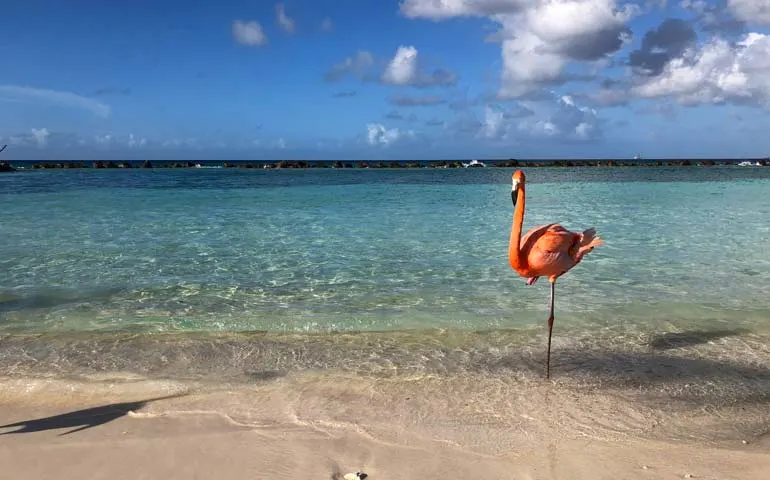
(383, 79)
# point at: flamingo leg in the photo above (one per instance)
(550, 331)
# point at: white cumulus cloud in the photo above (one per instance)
(405, 69)
(717, 72)
(249, 33)
(378, 134)
(539, 37)
(402, 69)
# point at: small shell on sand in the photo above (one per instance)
(355, 476)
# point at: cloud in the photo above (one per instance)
(40, 138)
(716, 73)
(494, 123)
(754, 12)
(539, 37)
(445, 9)
(110, 140)
(327, 25)
(566, 121)
(435, 122)
(378, 135)
(37, 137)
(16, 93)
(404, 69)
(134, 142)
(285, 22)
(345, 94)
(557, 119)
(662, 44)
(405, 101)
(356, 65)
(713, 17)
(518, 111)
(607, 96)
(249, 33)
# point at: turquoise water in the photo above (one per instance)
(237, 277)
(370, 250)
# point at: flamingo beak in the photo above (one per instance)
(514, 191)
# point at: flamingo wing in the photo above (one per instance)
(528, 241)
(552, 251)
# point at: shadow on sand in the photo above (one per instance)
(82, 419)
(667, 341)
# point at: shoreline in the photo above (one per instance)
(410, 405)
(724, 374)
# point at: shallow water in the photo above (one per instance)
(481, 390)
(238, 277)
(337, 250)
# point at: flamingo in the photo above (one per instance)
(545, 251)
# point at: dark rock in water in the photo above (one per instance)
(6, 167)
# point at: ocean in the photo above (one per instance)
(245, 274)
(372, 250)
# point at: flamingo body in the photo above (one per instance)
(545, 251)
(552, 250)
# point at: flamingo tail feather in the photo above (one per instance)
(588, 241)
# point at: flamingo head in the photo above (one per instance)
(517, 181)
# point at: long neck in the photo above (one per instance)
(515, 258)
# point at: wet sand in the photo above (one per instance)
(400, 405)
(310, 425)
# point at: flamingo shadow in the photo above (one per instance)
(670, 340)
(82, 419)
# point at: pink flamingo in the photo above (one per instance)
(548, 250)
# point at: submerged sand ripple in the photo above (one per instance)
(488, 385)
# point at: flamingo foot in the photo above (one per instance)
(532, 280)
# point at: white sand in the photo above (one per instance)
(305, 426)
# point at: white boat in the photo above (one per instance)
(747, 163)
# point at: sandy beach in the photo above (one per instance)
(313, 425)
